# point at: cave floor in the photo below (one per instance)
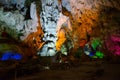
(88, 70)
(44, 70)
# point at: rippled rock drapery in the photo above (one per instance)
(17, 24)
(18, 28)
(64, 42)
(88, 17)
(49, 17)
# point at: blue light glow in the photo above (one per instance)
(11, 56)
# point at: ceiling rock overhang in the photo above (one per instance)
(48, 26)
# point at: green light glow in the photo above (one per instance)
(95, 43)
(94, 56)
(99, 54)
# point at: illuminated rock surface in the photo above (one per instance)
(82, 18)
(49, 18)
(62, 27)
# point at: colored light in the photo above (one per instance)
(112, 44)
(95, 43)
(99, 54)
(11, 55)
(93, 53)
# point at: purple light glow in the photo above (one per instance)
(112, 44)
(115, 38)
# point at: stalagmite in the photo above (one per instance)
(49, 18)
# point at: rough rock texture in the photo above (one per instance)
(17, 24)
(78, 20)
(87, 13)
(49, 17)
(28, 31)
(91, 17)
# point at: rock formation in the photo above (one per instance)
(47, 25)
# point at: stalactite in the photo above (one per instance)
(34, 39)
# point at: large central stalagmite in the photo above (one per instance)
(49, 17)
(60, 20)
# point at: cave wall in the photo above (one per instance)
(64, 23)
(93, 19)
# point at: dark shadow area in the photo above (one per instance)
(81, 68)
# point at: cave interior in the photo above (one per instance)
(51, 39)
